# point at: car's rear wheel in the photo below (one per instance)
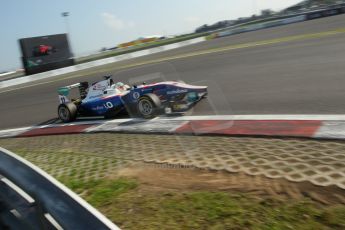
(67, 112)
(148, 105)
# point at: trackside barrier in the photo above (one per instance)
(71, 69)
(260, 26)
(40, 200)
(326, 12)
(339, 9)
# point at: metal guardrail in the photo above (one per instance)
(278, 21)
(259, 26)
(31, 199)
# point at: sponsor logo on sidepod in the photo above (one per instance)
(177, 91)
(98, 108)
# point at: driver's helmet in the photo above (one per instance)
(120, 86)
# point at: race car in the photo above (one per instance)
(109, 99)
(43, 50)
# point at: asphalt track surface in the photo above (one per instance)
(293, 69)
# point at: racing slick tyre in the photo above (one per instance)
(67, 112)
(148, 105)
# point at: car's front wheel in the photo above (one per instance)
(67, 112)
(148, 105)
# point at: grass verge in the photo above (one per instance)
(132, 206)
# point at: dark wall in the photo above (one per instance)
(45, 53)
(326, 12)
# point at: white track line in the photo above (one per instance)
(13, 132)
(315, 117)
(53, 221)
(20, 191)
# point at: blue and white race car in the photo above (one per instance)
(109, 99)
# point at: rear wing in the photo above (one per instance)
(64, 91)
